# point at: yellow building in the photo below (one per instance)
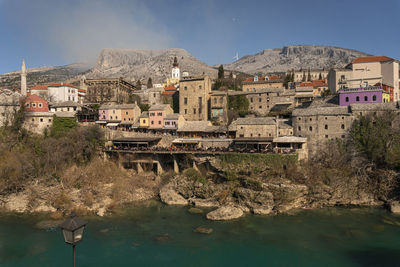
(385, 97)
(144, 120)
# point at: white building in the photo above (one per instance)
(57, 92)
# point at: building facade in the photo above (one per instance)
(157, 114)
(194, 96)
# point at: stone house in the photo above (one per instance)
(194, 96)
(110, 90)
(38, 122)
(157, 114)
(257, 127)
(261, 82)
(219, 107)
(315, 74)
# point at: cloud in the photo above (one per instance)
(79, 29)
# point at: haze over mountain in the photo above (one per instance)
(133, 64)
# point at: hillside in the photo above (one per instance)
(141, 64)
(295, 57)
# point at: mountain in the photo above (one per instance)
(133, 64)
(44, 75)
(142, 64)
(294, 57)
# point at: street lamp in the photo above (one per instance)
(72, 229)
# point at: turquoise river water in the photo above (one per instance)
(159, 235)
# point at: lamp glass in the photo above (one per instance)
(68, 236)
(78, 234)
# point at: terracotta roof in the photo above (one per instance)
(39, 87)
(35, 97)
(371, 59)
(61, 84)
(170, 87)
(169, 92)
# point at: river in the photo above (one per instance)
(159, 235)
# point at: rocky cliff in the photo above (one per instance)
(294, 57)
(142, 64)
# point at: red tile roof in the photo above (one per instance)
(170, 87)
(169, 92)
(40, 87)
(371, 59)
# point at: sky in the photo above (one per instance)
(60, 32)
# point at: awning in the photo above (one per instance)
(101, 122)
(113, 124)
(186, 141)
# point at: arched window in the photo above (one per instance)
(310, 128)
(326, 126)
(365, 98)
(357, 98)
(374, 98)
(347, 99)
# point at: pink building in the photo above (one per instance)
(157, 114)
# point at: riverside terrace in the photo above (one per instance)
(146, 145)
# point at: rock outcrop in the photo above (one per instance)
(171, 197)
(225, 213)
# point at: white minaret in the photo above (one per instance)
(23, 78)
(176, 74)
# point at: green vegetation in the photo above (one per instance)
(221, 73)
(194, 175)
(149, 83)
(239, 104)
(62, 125)
(144, 107)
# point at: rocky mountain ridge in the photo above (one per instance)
(295, 57)
(133, 64)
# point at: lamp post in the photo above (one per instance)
(72, 229)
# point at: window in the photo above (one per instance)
(310, 119)
(113, 111)
(374, 98)
(251, 135)
(111, 117)
(251, 100)
(124, 119)
(126, 113)
(116, 117)
(299, 128)
(259, 100)
(159, 122)
(68, 109)
(33, 119)
(365, 98)
(185, 101)
(41, 119)
(299, 118)
(326, 126)
(342, 118)
(185, 87)
(49, 120)
(159, 113)
(326, 136)
(260, 107)
(342, 126)
(27, 105)
(347, 99)
(194, 110)
(154, 94)
(185, 111)
(215, 101)
(326, 118)
(200, 86)
(40, 105)
(310, 128)
(34, 105)
(342, 135)
(357, 98)
(152, 122)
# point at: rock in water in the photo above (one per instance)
(395, 207)
(170, 197)
(195, 211)
(225, 213)
(48, 224)
(203, 230)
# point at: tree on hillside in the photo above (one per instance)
(149, 83)
(221, 72)
(320, 76)
(304, 77)
(309, 76)
(138, 84)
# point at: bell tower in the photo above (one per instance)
(176, 74)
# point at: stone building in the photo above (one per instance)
(316, 74)
(370, 94)
(111, 90)
(323, 121)
(194, 96)
(261, 82)
(219, 107)
(150, 96)
(254, 127)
